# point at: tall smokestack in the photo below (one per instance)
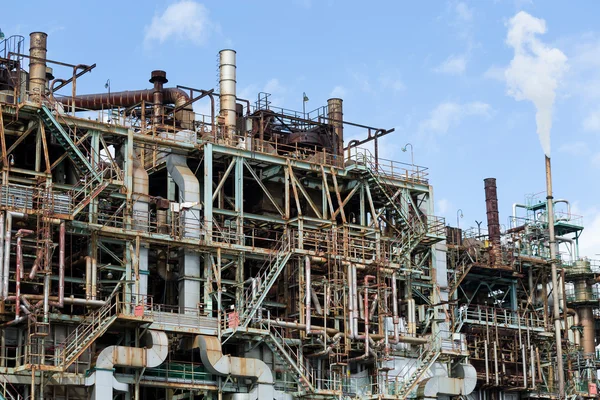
(493, 220)
(37, 66)
(335, 114)
(227, 82)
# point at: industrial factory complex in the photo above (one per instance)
(150, 252)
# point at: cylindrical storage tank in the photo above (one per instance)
(37, 66)
(335, 115)
(227, 83)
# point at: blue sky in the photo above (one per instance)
(435, 71)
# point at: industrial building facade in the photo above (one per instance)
(147, 251)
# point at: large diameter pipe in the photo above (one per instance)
(37, 66)
(493, 219)
(19, 270)
(366, 307)
(586, 318)
(555, 299)
(227, 88)
(335, 116)
(158, 78)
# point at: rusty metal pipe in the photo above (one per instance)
(493, 219)
(555, 300)
(335, 116)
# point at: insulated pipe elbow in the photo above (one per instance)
(149, 357)
(217, 363)
(462, 385)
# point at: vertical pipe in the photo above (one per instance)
(395, 307)
(307, 293)
(88, 277)
(350, 303)
(37, 66)
(61, 265)
(7, 238)
(493, 220)
(366, 308)
(335, 116)
(46, 298)
(158, 78)
(18, 277)
(227, 88)
(94, 278)
(555, 300)
(1, 254)
(355, 299)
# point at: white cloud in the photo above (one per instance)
(273, 86)
(575, 148)
(463, 11)
(495, 73)
(183, 21)
(592, 121)
(453, 65)
(449, 114)
(535, 71)
(338, 92)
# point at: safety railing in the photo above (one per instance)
(388, 168)
(7, 390)
(501, 317)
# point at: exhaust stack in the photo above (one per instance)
(37, 66)
(335, 115)
(493, 219)
(227, 71)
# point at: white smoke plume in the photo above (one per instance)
(535, 72)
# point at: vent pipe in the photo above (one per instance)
(493, 220)
(227, 82)
(37, 66)
(158, 78)
(335, 115)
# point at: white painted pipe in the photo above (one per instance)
(350, 303)
(88, 278)
(94, 278)
(7, 238)
(395, 306)
(227, 88)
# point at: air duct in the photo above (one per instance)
(493, 219)
(37, 66)
(335, 115)
(227, 83)
(189, 200)
(462, 385)
(217, 363)
(112, 356)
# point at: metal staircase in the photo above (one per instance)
(291, 358)
(457, 276)
(76, 153)
(266, 277)
(87, 332)
(7, 390)
(409, 225)
(428, 356)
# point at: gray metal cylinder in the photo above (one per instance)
(37, 66)
(227, 87)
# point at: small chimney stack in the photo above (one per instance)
(493, 219)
